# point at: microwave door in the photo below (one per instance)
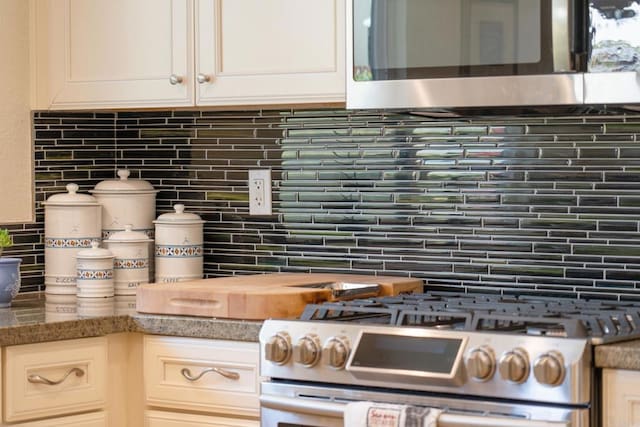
(447, 53)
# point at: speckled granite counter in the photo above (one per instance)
(624, 355)
(37, 317)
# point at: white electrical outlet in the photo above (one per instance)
(260, 192)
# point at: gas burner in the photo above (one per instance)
(599, 320)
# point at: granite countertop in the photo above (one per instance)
(36, 317)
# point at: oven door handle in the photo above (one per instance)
(336, 410)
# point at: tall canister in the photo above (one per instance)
(131, 264)
(95, 272)
(71, 222)
(178, 248)
(127, 201)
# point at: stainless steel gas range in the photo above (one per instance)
(484, 360)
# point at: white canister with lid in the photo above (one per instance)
(127, 201)
(131, 263)
(95, 272)
(71, 222)
(179, 246)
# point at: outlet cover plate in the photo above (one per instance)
(259, 192)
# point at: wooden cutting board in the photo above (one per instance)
(256, 297)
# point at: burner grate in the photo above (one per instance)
(601, 320)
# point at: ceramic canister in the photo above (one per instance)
(95, 272)
(178, 248)
(127, 201)
(131, 263)
(71, 222)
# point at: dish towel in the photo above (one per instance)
(371, 414)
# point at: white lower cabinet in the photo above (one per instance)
(219, 378)
(54, 378)
(621, 398)
(93, 419)
(172, 419)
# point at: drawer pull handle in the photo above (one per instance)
(37, 379)
(227, 374)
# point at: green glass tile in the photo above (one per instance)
(454, 176)
(329, 154)
(522, 270)
(366, 131)
(167, 133)
(607, 250)
(622, 127)
(48, 176)
(328, 197)
(508, 153)
(470, 130)
(430, 198)
(319, 262)
(439, 153)
(241, 197)
(317, 132)
(421, 131)
(511, 199)
(400, 176)
(559, 224)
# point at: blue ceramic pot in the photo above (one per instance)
(9, 280)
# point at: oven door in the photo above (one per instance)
(464, 53)
(294, 405)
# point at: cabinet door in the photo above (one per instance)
(621, 398)
(202, 375)
(171, 419)
(54, 378)
(94, 419)
(270, 52)
(116, 53)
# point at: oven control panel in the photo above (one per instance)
(510, 366)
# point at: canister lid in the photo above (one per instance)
(95, 251)
(71, 198)
(178, 217)
(128, 235)
(123, 185)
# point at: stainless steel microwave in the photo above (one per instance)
(472, 53)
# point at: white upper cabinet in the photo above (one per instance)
(172, 53)
(270, 52)
(114, 53)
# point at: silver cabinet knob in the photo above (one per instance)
(481, 364)
(278, 348)
(514, 366)
(307, 350)
(336, 352)
(175, 79)
(549, 369)
(203, 78)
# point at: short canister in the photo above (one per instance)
(95, 272)
(179, 246)
(127, 201)
(71, 222)
(131, 263)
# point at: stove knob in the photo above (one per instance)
(336, 352)
(514, 366)
(307, 350)
(278, 348)
(549, 369)
(481, 363)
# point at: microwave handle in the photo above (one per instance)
(336, 410)
(561, 35)
(579, 31)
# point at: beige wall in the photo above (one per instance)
(16, 171)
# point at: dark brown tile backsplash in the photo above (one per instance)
(513, 204)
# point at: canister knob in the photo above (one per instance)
(549, 368)
(278, 348)
(307, 350)
(514, 366)
(336, 352)
(481, 363)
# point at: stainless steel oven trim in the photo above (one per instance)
(615, 87)
(548, 89)
(309, 402)
(453, 378)
(561, 35)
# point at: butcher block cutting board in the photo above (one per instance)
(260, 296)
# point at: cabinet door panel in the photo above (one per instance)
(621, 398)
(119, 52)
(169, 419)
(280, 51)
(95, 419)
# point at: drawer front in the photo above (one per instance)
(56, 378)
(94, 419)
(202, 375)
(170, 419)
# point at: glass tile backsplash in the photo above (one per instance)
(526, 203)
